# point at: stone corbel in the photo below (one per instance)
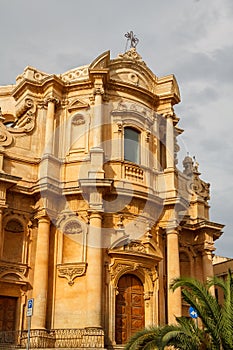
(70, 271)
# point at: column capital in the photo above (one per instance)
(51, 99)
(94, 214)
(42, 216)
(172, 227)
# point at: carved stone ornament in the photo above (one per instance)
(24, 122)
(132, 54)
(78, 119)
(133, 112)
(8, 268)
(76, 74)
(5, 137)
(199, 187)
(70, 271)
(68, 222)
(31, 73)
(118, 268)
(136, 247)
(72, 227)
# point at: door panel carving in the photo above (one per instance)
(129, 308)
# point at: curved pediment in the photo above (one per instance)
(125, 246)
(131, 69)
(101, 62)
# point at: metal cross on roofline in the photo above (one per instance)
(132, 38)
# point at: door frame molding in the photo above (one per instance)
(146, 269)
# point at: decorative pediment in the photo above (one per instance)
(125, 246)
(129, 68)
(77, 105)
(101, 62)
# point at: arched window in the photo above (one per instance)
(13, 241)
(131, 145)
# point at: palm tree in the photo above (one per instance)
(185, 335)
(217, 319)
(216, 331)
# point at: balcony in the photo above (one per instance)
(134, 173)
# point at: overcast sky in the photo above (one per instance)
(192, 39)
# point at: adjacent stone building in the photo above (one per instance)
(95, 217)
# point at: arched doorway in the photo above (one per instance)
(130, 315)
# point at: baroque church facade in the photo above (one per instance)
(96, 219)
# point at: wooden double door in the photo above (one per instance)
(130, 313)
(8, 307)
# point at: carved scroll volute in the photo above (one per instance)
(26, 115)
(5, 137)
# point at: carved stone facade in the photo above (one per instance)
(96, 219)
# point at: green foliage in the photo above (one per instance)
(216, 332)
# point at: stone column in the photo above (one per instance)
(49, 131)
(207, 264)
(40, 283)
(97, 119)
(170, 142)
(173, 271)
(94, 271)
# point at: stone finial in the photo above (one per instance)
(188, 166)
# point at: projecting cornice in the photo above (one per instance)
(204, 225)
(127, 73)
